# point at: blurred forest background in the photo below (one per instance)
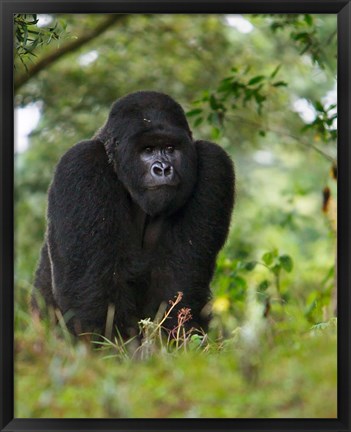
(264, 88)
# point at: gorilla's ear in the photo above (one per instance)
(106, 136)
(111, 145)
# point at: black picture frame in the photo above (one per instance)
(342, 9)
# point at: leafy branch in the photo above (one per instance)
(29, 37)
(237, 90)
(324, 123)
(304, 33)
(27, 25)
(232, 93)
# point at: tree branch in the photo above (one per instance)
(71, 46)
(298, 139)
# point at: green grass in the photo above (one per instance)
(273, 367)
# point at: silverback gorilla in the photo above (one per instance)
(135, 215)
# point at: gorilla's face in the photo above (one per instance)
(161, 157)
(158, 168)
(154, 154)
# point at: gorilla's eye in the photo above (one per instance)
(148, 149)
(170, 149)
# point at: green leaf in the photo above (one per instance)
(63, 24)
(259, 98)
(256, 79)
(267, 258)
(215, 133)
(308, 19)
(262, 133)
(304, 36)
(319, 107)
(198, 121)
(213, 103)
(276, 269)
(311, 307)
(263, 285)
(25, 36)
(239, 282)
(225, 85)
(250, 265)
(276, 70)
(280, 84)
(194, 112)
(195, 341)
(286, 262)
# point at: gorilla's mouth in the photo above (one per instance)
(160, 186)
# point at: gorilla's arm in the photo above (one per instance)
(211, 205)
(85, 208)
(201, 228)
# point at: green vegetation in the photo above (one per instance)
(271, 348)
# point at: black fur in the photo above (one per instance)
(111, 241)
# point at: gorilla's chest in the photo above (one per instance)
(146, 231)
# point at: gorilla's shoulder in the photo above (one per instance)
(91, 151)
(83, 156)
(215, 159)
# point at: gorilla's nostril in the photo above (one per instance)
(158, 171)
(168, 171)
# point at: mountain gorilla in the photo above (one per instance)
(135, 215)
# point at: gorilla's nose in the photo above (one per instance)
(161, 169)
